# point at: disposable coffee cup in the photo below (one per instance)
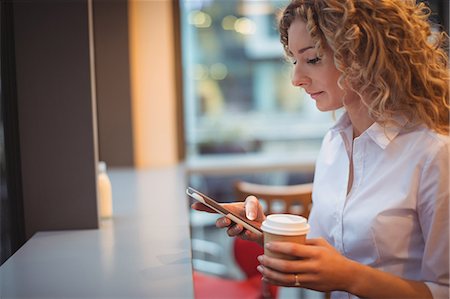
(284, 228)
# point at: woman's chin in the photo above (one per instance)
(326, 108)
(323, 108)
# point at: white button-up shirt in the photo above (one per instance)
(396, 216)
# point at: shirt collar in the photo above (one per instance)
(381, 135)
(341, 125)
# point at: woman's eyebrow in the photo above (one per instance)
(301, 51)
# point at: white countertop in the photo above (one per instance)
(143, 252)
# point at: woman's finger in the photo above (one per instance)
(280, 278)
(287, 279)
(303, 281)
(223, 222)
(317, 242)
(293, 249)
(288, 266)
(235, 230)
(251, 207)
(201, 207)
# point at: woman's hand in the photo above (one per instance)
(251, 209)
(319, 267)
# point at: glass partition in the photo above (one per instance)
(238, 95)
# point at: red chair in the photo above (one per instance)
(252, 287)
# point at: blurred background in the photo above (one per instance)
(148, 84)
(239, 105)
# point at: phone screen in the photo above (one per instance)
(206, 200)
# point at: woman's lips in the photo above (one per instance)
(316, 94)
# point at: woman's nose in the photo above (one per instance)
(299, 78)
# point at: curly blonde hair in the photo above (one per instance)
(387, 52)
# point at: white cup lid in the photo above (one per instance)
(285, 224)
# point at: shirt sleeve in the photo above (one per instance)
(433, 212)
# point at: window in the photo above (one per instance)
(237, 90)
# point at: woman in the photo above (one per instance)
(379, 222)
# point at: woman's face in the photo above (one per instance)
(318, 76)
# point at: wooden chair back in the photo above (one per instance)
(293, 199)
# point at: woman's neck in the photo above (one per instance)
(359, 117)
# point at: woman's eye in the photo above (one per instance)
(313, 61)
(294, 62)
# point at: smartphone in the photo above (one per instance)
(208, 201)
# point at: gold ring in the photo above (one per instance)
(297, 283)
